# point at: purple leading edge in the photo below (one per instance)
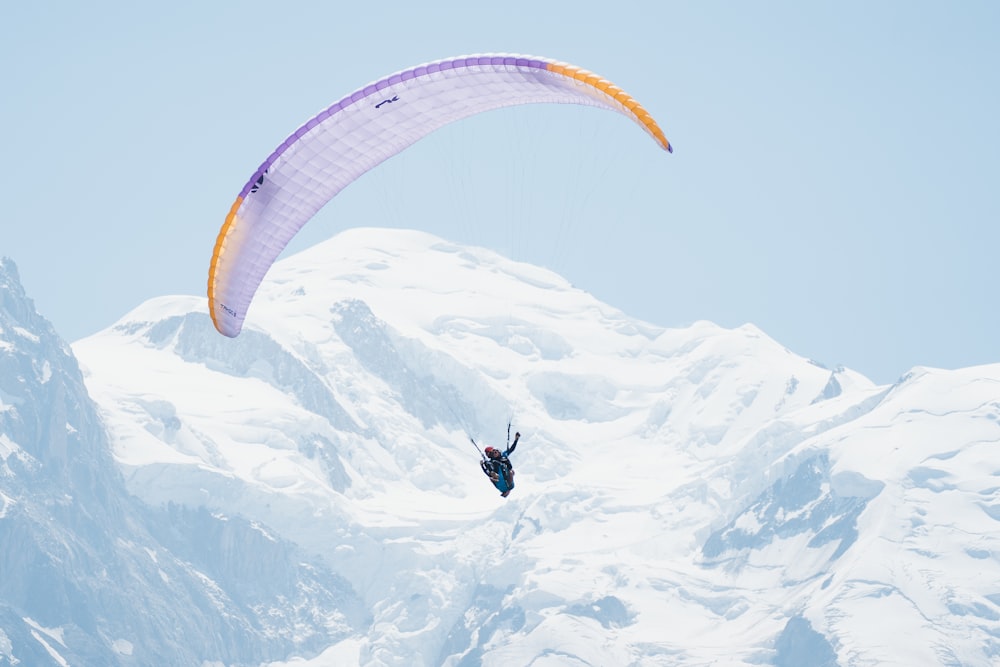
(382, 84)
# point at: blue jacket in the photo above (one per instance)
(501, 467)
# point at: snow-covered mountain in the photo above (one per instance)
(684, 496)
(91, 576)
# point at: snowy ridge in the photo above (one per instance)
(91, 576)
(684, 496)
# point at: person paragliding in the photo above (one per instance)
(497, 466)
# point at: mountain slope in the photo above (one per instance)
(91, 576)
(684, 496)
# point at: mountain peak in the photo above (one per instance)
(692, 492)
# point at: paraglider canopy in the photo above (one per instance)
(363, 130)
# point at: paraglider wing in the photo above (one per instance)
(363, 130)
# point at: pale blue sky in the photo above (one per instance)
(835, 179)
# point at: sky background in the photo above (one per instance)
(835, 179)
